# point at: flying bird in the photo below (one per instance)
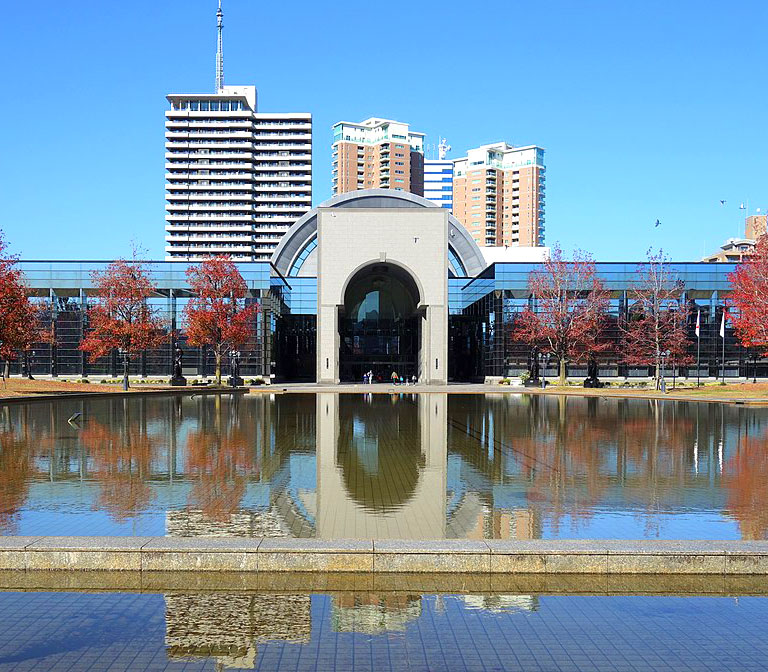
(656, 225)
(722, 201)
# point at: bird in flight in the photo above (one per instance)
(722, 201)
(656, 225)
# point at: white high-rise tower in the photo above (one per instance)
(236, 178)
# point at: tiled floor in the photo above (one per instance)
(379, 631)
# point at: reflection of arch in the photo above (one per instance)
(300, 240)
(379, 451)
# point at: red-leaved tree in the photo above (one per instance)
(218, 314)
(570, 309)
(748, 303)
(19, 323)
(122, 318)
(657, 324)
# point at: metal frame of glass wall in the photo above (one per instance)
(66, 289)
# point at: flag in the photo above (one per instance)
(698, 324)
(722, 325)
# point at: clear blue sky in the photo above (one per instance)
(647, 110)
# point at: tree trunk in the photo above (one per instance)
(563, 377)
(218, 369)
(7, 369)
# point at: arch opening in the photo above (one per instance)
(379, 324)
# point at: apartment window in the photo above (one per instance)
(194, 106)
(204, 106)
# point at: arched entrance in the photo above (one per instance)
(379, 324)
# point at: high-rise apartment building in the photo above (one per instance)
(377, 153)
(755, 226)
(438, 182)
(499, 194)
(236, 178)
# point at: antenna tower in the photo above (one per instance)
(220, 51)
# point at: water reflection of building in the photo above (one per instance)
(229, 626)
(502, 603)
(381, 466)
(374, 613)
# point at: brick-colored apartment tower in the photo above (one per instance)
(755, 226)
(499, 194)
(377, 153)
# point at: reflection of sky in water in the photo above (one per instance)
(379, 631)
(366, 446)
(514, 467)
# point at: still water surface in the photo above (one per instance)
(426, 466)
(379, 631)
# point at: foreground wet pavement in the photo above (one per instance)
(379, 630)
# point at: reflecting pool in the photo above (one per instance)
(426, 466)
(367, 630)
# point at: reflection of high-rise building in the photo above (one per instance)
(228, 626)
(377, 153)
(502, 603)
(374, 613)
(498, 194)
(236, 178)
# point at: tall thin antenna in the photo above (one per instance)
(220, 51)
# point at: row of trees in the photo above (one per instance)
(569, 313)
(566, 318)
(123, 319)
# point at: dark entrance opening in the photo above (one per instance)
(379, 325)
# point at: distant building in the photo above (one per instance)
(755, 226)
(499, 194)
(236, 179)
(438, 182)
(377, 153)
(735, 249)
(732, 251)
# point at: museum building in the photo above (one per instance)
(377, 281)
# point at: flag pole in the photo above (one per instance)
(722, 334)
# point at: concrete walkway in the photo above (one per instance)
(482, 388)
(490, 557)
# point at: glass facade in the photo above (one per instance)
(482, 313)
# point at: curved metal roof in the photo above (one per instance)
(305, 229)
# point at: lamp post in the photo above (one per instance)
(544, 363)
(124, 354)
(754, 366)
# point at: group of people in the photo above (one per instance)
(395, 378)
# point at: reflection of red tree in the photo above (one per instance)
(746, 478)
(220, 465)
(121, 461)
(14, 479)
(564, 459)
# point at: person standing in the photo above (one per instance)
(395, 378)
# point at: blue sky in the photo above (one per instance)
(647, 110)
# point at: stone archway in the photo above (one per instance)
(380, 324)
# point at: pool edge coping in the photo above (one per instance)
(391, 556)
